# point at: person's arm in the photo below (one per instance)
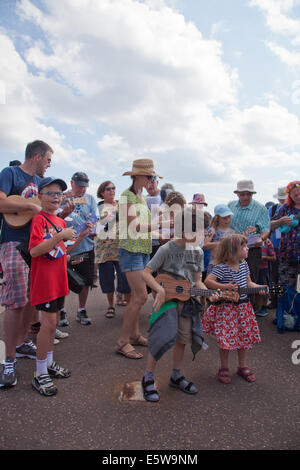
(9, 206)
(80, 237)
(160, 297)
(251, 284)
(46, 245)
(212, 283)
(200, 284)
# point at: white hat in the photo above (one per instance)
(245, 185)
(281, 194)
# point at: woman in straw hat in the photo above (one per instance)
(134, 253)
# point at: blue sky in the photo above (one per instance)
(210, 90)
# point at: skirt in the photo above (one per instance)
(234, 325)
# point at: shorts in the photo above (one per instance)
(132, 261)
(86, 267)
(16, 284)
(107, 278)
(184, 327)
(53, 306)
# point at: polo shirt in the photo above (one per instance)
(255, 214)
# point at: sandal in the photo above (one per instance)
(139, 341)
(182, 384)
(246, 374)
(110, 312)
(128, 351)
(122, 303)
(223, 375)
(149, 394)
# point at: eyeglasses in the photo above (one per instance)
(153, 178)
(110, 188)
(53, 193)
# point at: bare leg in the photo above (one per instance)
(178, 353)
(46, 335)
(16, 323)
(83, 295)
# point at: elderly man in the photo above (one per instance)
(250, 215)
(85, 211)
(22, 180)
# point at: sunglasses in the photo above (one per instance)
(53, 193)
(153, 178)
(110, 188)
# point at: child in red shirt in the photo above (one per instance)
(48, 279)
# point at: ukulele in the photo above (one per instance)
(182, 290)
(20, 218)
(287, 228)
(75, 200)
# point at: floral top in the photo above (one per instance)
(135, 242)
(290, 242)
(107, 241)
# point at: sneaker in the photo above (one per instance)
(8, 377)
(44, 385)
(27, 349)
(262, 313)
(82, 318)
(60, 335)
(56, 341)
(63, 321)
(58, 372)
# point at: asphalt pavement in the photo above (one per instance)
(99, 407)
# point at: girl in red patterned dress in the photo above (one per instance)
(233, 323)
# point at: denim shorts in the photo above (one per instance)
(132, 261)
(107, 272)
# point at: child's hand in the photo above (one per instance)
(231, 286)
(264, 292)
(68, 234)
(214, 298)
(160, 299)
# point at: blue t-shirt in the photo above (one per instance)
(78, 219)
(12, 179)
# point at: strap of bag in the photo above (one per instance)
(51, 223)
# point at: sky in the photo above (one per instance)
(209, 90)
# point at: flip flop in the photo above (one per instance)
(128, 351)
(110, 312)
(122, 303)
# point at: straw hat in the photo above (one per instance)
(142, 167)
(245, 185)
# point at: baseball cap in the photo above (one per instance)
(222, 210)
(49, 180)
(80, 178)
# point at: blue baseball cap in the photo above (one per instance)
(222, 210)
(49, 180)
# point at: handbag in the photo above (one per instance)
(24, 252)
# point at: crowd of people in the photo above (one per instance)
(137, 246)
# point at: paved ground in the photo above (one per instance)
(87, 412)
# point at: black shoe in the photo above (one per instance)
(8, 377)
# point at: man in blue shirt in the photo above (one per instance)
(85, 211)
(251, 218)
(21, 180)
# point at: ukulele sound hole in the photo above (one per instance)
(179, 289)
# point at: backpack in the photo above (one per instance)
(288, 311)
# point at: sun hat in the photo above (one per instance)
(222, 210)
(80, 178)
(281, 194)
(50, 180)
(245, 185)
(142, 167)
(198, 199)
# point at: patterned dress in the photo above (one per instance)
(233, 324)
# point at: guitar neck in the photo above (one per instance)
(202, 292)
(251, 290)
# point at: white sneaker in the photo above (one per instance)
(60, 335)
(56, 341)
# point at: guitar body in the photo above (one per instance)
(287, 228)
(182, 290)
(21, 218)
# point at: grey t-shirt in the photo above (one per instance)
(178, 262)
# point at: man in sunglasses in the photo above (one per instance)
(85, 212)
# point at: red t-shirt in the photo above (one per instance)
(48, 274)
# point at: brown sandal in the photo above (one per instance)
(139, 341)
(128, 351)
(246, 374)
(223, 375)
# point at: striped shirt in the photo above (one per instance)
(255, 214)
(225, 275)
